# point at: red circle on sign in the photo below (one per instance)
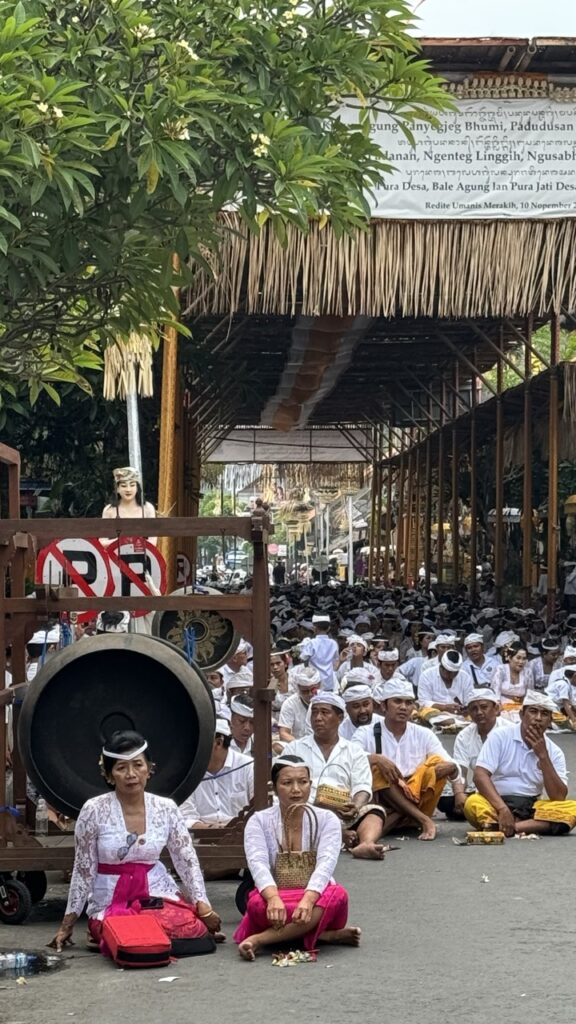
(88, 568)
(122, 554)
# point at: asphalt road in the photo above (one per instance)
(440, 944)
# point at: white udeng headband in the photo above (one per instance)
(125, 757)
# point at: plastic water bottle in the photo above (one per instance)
(41, 817)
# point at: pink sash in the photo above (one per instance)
(131, 887)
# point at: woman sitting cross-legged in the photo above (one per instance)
(315, 911)
(119, 838)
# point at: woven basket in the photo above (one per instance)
(294, 868)
(331, 796)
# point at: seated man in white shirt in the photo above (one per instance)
(445, 692)
(513, 768)
(227, 787)
(342, 766)
(242, 723)
(388, 662)
(359, 705)
(409, 764)
(292, 720)
(563, 692)
(484, 710)
(562, 689)
(479, 665)
(238, 661)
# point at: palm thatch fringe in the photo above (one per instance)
(395, 268)
(128, 367)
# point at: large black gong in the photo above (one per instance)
(215, 638)
(87, 691)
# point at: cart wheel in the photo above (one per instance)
(242, 892)
(15, 902)
(36, 883)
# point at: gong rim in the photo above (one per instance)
(169, 625)
(87, 690)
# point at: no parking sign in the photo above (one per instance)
(83, 563)
(130, 561)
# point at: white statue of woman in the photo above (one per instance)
(128, 501)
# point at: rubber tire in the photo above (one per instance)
(22, 900)
(36, 883)
(242, 893)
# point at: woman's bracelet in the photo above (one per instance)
(209, 914)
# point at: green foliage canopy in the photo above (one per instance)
(127, 125)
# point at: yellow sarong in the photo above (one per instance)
(423, 784)
(480, 813)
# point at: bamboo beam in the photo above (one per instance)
(428, 510)
(45, 530)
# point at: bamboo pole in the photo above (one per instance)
(417, 512)
(374, 484)
(499, 489)
(168, 469)
(428, 515)
(440, 503)
(553, 525)
(527, 483)
(473, 496)
(408, 518)
(388, 527)
(379, 453)
(399, 574)
(454, 524)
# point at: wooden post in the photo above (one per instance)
(440, 504)
(409, 499)
(417, 511)
(454, 522)
(262, 693)
(388, 526)
(378, 552)
(372, 538)
(499, 488)
(553, 525)
(399, 574)
(473, 496)
(428, 514)
(527, 488)
(169, 424)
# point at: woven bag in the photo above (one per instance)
(294, 868)
(331, 797)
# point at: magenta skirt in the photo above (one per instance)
(333, 901)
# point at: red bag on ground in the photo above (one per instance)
(136, 940)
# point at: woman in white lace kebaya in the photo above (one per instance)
(316, 912)
(119, 838)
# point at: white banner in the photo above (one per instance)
(489, 158)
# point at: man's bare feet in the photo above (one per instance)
(248, 949)
(342, 937)
(428, 832)
(368, 851)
